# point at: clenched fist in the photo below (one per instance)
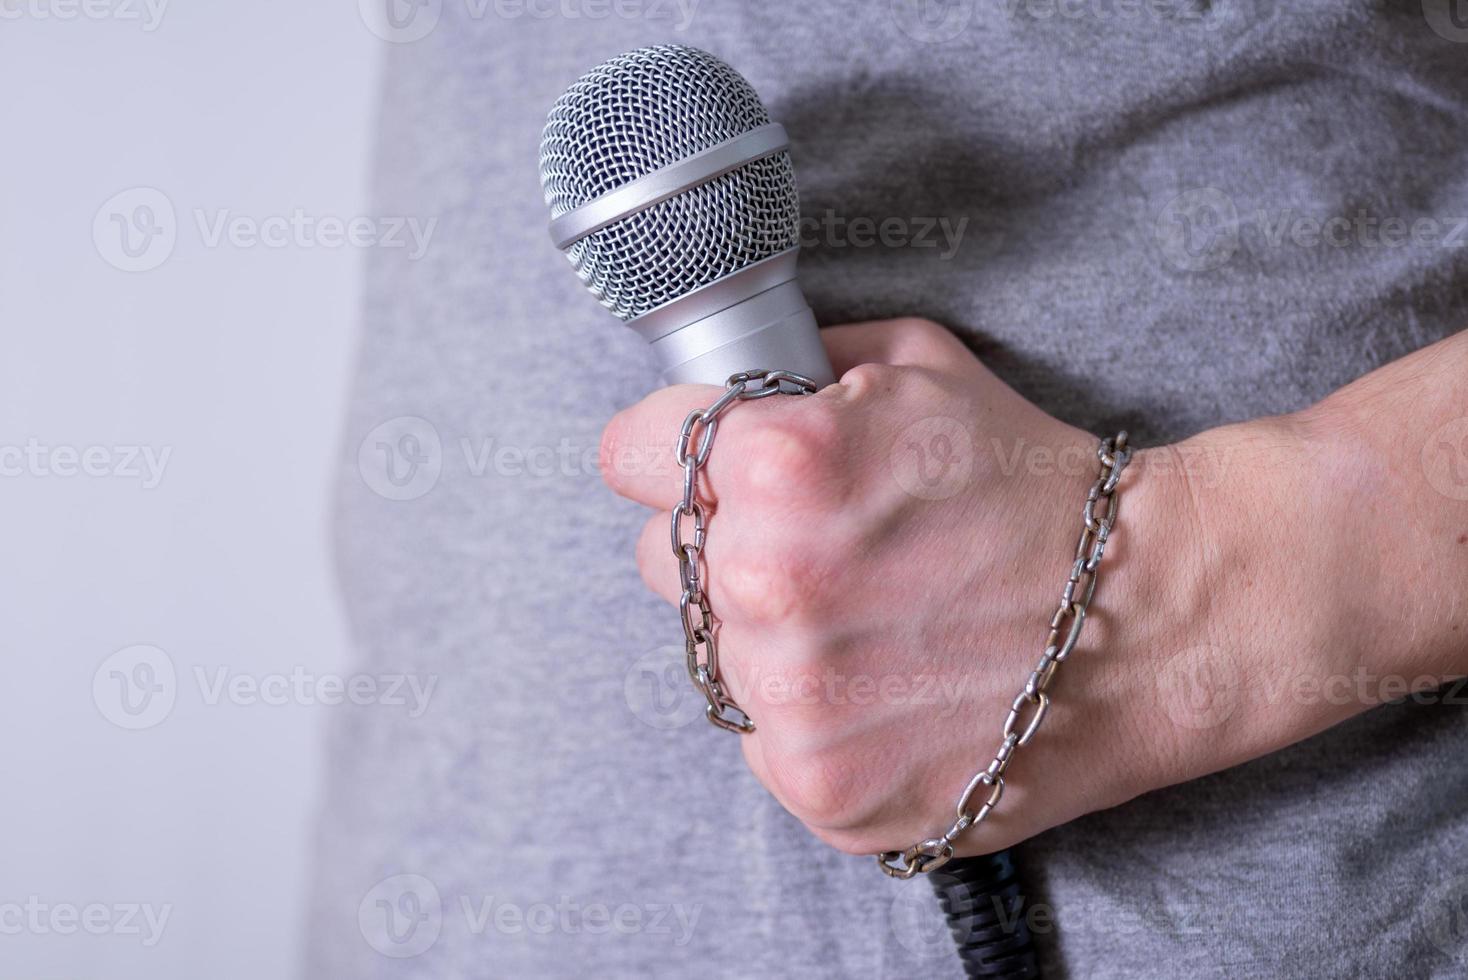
(883, 558)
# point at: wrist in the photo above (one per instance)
(1225, 599)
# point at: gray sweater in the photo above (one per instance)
(1157, 215)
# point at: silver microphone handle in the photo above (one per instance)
(756, 318)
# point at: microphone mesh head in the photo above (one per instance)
(642, 111)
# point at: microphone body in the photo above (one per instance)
(754, 318)
(672, 194)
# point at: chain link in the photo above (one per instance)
(1028, 710)
(695, 442)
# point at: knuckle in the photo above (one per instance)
(774, 585)
(872, 378)
(794, 458)
(822, 790)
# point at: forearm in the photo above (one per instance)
(1310, 566)
(1397, 442)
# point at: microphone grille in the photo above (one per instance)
(635, 114)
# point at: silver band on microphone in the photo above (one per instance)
(667, 182)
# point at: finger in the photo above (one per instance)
(905, 342)
(638, 458)
(637, 446)
(655, 558)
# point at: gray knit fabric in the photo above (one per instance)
(1128, 189)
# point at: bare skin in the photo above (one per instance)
(1265, 581)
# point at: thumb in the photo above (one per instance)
(904, 342)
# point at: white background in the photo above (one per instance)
(233, 359)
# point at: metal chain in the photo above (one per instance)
(1033, 702)
(695, 442)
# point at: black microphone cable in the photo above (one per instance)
(986, 914)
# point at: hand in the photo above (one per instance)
(884, 557)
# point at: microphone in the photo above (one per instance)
(673, 196)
